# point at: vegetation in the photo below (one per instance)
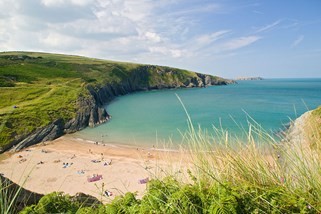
(312, 129)
(8, 199)
(227, 177)
(39, 88)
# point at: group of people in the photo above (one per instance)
(65, 165)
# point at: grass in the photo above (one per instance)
(7, 199)
(260, 175)
(313, 128)
(45, 87)
(36, 107)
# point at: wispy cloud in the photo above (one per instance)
(188, 34)
(240, 42)
(207, 39)
(268, 27)
(297, 41)
(198, 9)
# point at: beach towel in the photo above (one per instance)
(143, 181)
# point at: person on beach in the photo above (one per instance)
(108, 193)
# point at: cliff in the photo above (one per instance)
(99, 83)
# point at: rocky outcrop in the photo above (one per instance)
(208, 80)
(46, 133)
(91, 111)
(296, 134)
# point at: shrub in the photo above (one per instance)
(186, 200)
(55, 202)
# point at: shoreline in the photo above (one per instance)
(42, 168)
(122, 145)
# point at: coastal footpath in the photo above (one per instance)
(45, 96)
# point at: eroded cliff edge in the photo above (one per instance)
(90, 110)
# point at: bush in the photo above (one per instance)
(158, 194)
(55, 202)
(87, 210)
(186, 200)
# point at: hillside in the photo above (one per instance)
(46, 95)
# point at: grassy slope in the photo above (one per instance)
(45, 86)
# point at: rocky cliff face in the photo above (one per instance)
(90, 107)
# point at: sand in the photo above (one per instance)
(65, 164)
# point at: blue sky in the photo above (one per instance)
(270, 38)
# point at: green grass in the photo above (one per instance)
(227, 176)
(8, 197)
(45, 87)
(10, 97)
(260, 175)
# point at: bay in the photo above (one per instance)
(147, 118)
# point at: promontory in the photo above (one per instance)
(44, 96)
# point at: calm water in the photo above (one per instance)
(148, 117)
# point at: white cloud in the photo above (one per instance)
(81, 2)
(58, 3)
(297, 41)
(121, 29)
(175, 53)
(151, 36)
(50, 3)
(210, 38)
(240, 42)
(138, 10)
(171, 32)
(268, 27)
(57, 40)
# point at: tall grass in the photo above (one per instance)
(8, 197)
(231, 175)
(262, 168)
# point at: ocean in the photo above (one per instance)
(151, 117)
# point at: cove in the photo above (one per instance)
(146, 118)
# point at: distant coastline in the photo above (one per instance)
(249, 78)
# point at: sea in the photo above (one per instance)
(162, 116)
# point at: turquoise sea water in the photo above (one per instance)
(148, 117)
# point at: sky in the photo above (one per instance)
(266, 38)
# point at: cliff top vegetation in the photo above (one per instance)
(39, 88)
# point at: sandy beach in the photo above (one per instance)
(66, 163)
